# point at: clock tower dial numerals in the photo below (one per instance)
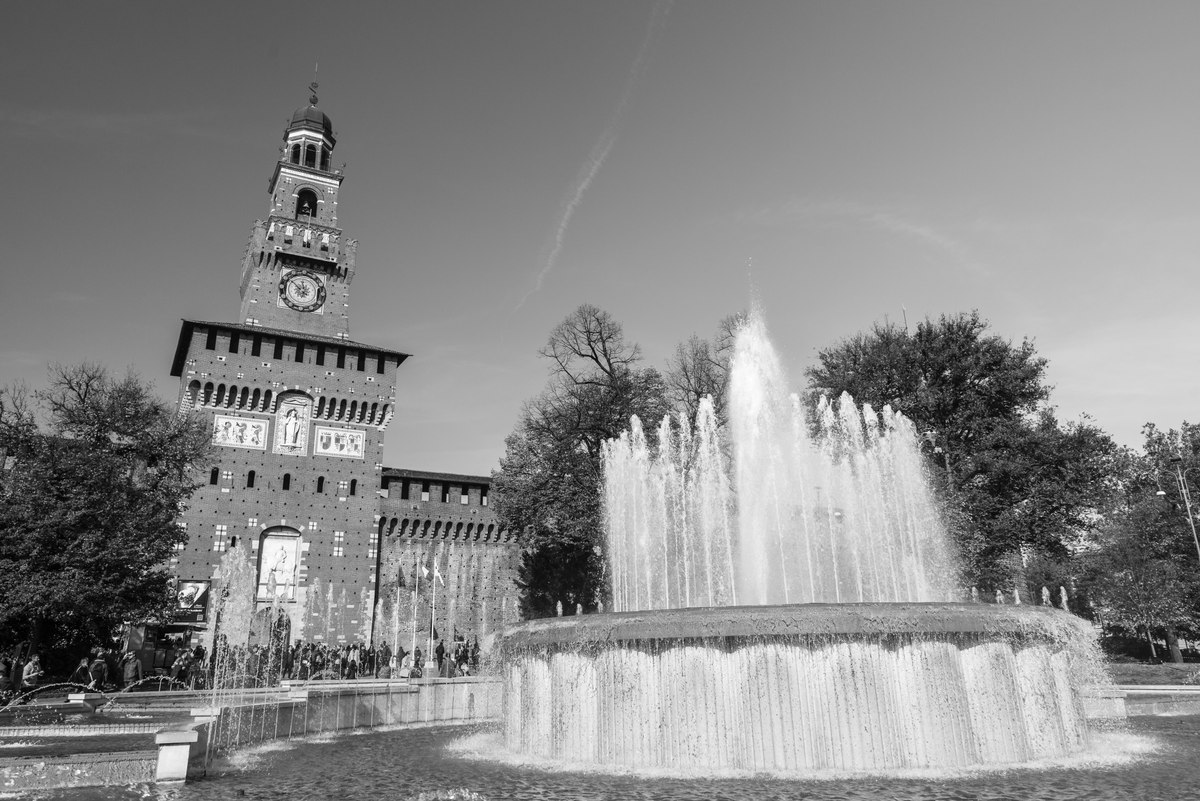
(302, 291)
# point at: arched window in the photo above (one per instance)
(287, 481)
(214, 476)
(353, 485)
(250, 480)
(306, 203)
(310, 156)
(325, 159)
(295, 154)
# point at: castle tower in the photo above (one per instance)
(297, 411)
(298, 267)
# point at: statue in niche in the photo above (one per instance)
(291, 427)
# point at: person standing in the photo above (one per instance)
(81, 675)
(6, 684)
(131, 668)
(114, 666)
(98, 670)
(384, 657)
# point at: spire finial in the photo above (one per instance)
(312, 99)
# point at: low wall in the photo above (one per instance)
(1103, 703)
(323, 707)
(23, 774)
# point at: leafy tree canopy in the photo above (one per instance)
(97, 470)
(1136, 579)
(1014, 479)
(549, 483)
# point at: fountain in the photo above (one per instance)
(808, 626)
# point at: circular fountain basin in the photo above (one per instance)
(797, 688)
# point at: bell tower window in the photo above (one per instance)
(325, 159)
(310, 155)
(306, 203)
(295, 154)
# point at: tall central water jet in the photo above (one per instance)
(825, 640)
(844, 518)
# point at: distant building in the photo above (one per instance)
(298, 413)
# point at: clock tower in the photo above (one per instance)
(298, 266)
(297, 410)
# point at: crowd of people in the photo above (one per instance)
(104, 669)
(304, 661)
(17, 676)
(107, 670)
(266, 665)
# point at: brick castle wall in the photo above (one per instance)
(425, 521)
(331, 502)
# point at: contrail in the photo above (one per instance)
(600, 150)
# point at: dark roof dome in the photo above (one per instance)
(312, 117)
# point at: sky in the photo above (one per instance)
(842, 162)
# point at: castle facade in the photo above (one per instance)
(298, 412)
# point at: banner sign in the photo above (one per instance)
(192, 601)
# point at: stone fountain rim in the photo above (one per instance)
(849, 621)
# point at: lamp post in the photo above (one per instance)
(1185, 493)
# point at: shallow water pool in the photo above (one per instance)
(1149, 758)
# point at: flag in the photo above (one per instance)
(437, 574)
(425, 571)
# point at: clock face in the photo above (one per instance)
(302, 291)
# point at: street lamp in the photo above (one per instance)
(1185, 493)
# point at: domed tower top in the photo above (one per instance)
(311, 119)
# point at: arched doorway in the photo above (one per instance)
(278, 563)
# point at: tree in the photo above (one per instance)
(699, 368)
(1151, 487)
(1014, 480)
(1171, 468)
(97, 472)
(1136, 579)
(549, 483)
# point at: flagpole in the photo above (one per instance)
(413, 653)
(432, 615)
(396, 623)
